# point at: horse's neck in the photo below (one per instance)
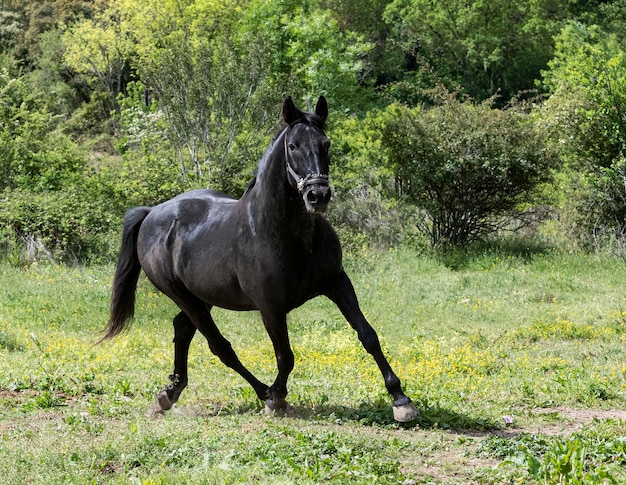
(277, 205)
(272, 166)
(272, 185)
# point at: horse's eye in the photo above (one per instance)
(292, 146)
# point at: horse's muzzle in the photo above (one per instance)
(316, 197)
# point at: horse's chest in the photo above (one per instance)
(305, 273)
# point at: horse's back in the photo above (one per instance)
(175, 230)
(191, 208)
(202, 199)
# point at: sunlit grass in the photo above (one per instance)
(493, 335)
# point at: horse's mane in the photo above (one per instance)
(251, 184)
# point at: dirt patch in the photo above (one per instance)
(570, 419)
(455, 463)
(23, 395)
(16, 395)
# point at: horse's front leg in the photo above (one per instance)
(184, 330)
(344, 296)
(276, 326)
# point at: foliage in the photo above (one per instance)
(203, 87)
(324, 58)
(467, 166)
(588, 75)
(158, 97)
(589, 60)
(361, 210)
(586, 457)
(215, 70)
(35, 156)
(385, 61)
(71, 224)
(57, 204)
(148, 173)
(100, 49)
(486, 47)
(9, 27)
(38, 17)
(53, 205)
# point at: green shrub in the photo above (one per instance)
(62, 225)
(469, 167)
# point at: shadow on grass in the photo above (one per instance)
(459, 258)
(376, 414)
(380, 414)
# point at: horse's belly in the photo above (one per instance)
(223, 293)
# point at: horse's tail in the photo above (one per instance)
(126, 275)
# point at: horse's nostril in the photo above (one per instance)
(318, 195)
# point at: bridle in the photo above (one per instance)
(302, 182)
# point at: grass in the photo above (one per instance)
(504, 353)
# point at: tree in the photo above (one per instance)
(468, 166)
(218, 71)
(34, 155)
(588, 77)
(305, 52)
(386, 60)
(39, 16)
(9, 28)
(485, 47)
(101, 50)
(590, 61)
(206, 86)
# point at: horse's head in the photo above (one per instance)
(306, 154)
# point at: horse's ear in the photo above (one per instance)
(290, 112)
(321, 108)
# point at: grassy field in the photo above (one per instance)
(515, 359)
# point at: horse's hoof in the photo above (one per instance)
(277, 407)
(405, 413)
(164, 402)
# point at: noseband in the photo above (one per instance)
(303, 182)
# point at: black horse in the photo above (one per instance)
(269, 251)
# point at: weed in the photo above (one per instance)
(10, 342)
(44, 400)
(322, 457)
(582, 458)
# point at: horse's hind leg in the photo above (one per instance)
(184, 330)
(200, 315)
